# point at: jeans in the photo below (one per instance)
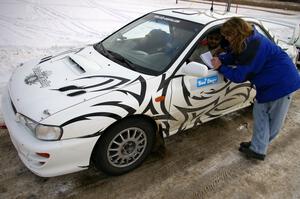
(268, 119)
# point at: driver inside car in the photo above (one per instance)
(211, 43)
(155, 41)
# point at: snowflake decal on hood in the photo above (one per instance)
(38, 76)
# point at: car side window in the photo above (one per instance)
(258, 28)
(209, 42)
(262, 31)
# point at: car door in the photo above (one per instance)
(199, 99)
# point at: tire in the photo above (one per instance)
(124, 146)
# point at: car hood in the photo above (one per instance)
(41, 88)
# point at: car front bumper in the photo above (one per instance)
(65, 156)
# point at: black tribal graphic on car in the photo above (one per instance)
(104, 85)
(161, 113)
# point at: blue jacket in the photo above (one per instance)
(265, 65)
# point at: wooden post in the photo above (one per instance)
(228, 5)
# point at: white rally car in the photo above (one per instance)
(106, 103)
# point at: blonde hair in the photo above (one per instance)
(239, 30)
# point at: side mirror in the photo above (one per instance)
(295, 37)
(194, 69)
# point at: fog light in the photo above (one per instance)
(44, 155)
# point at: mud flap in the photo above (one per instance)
(159, 145)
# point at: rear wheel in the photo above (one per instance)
(124, 146)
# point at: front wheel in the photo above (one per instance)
(124, 146)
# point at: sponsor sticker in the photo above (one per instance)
(207, 81)
(167, 19)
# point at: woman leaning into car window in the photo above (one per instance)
(269, 69)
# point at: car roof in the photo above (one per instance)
(196, 15)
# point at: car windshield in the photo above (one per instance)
(150, 44)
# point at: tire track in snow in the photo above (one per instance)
(66, 20)
(25, 29)
(13, 31)
(30, 31)
(104, 8)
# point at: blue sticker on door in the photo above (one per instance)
(207, 81)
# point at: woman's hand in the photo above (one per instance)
(216, 63)
(217, 51)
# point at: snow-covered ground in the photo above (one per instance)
(35, 28)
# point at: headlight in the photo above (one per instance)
(42, 132)
(26, 122)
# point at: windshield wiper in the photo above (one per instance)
(122, 59)
(101, 49)
(113, 55)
